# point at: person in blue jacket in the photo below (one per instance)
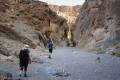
(50, 47)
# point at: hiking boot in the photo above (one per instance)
(25, 75)
(20, 73)
(49, 57)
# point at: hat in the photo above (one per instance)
(26, 46)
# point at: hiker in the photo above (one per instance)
(50, 47)
(74, 43)
(25, 59)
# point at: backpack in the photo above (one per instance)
(24, 55)
(50, 45)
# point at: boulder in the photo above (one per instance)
(4, 75)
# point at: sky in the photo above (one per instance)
(64, 2)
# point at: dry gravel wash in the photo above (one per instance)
(70, 64)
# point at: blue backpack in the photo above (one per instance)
(50, 45)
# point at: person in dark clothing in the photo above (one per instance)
(25, 59)
(74, 44)
(50, 47)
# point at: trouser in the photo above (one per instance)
(50, 51)
(23, 66)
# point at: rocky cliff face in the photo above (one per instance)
(98, 24)
(27, 22)
(70, 13)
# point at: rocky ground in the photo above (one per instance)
(68, 64)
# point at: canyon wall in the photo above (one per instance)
(98, 24)
(70, 13)
(29, 22)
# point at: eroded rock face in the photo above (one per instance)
(27, 22)
(98, 23)
(70, 13)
